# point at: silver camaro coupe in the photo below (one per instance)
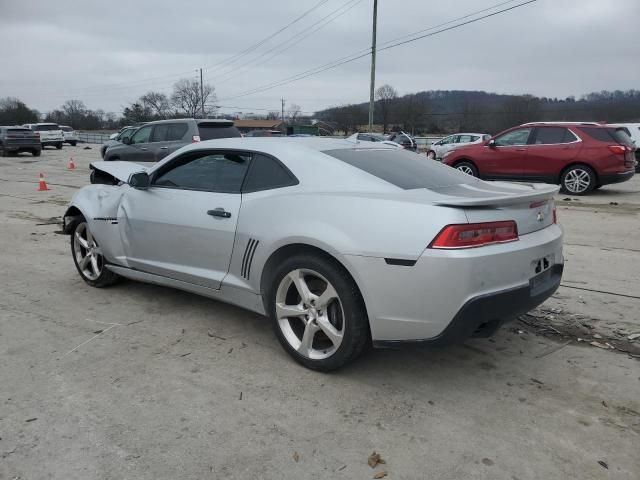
(340, 243)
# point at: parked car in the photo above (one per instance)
(580, 157)
(50, 133)
(155, 140)
(405, 140)
(115, 139)
(437, 149)
(69, 135)
(290, 228)
(372, 137)
(19, 139)
(263, 133)
(633, 130)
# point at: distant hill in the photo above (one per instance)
(444, 111)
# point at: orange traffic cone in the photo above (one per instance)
(72, 165)
(43, 185)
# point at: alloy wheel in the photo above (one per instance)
(577, 180)
(87, 252)
(310, 314)
(466, 169)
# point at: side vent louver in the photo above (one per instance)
(248, 257)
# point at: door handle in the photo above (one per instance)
(219, 212)
(521, 149)
(143, 148)
(164, 148)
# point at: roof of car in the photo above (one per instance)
(566, 124)
(177, 120)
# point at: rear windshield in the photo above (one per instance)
(616, 135)
(406, 170)
(211, 131)
(66, 129)
(45, 128)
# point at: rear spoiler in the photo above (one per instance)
(494, 194)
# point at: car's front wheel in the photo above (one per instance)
(578, 180)
(431, 155)
(35, 153)
(73, 144)
(58, 146)
(88, 257)
(467, 167)
(318, 313)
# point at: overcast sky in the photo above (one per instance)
(109, 53)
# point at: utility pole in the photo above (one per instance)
(282, 100)
(373, 65)
(201, 93)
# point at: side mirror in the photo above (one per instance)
(491, 143)
(126, 140)
(139, 180)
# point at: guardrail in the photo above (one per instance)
(92, 137)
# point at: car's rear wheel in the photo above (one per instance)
(578, 180)
(431, 155)
(318, 313)
(73, 144)
(58, 146)
(35, 153)
(467, 167)
(88, 257)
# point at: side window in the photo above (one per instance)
(464, 138)
(514, 137)
(160, 132)
(176, 131)
(142, 135)
(267, 173)
(205, 171)
(553, 135)
(474, 138)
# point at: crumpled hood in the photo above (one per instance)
(119, 170)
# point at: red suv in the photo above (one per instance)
(578, 156)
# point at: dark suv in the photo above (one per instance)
(19, 139)
(155, 140)
(580, 157)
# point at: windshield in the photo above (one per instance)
(45, 128)
(406, 170)
(66, 129)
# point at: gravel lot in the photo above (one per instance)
(143, 382)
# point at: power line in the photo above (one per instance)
(297, 38)
(354, 57)
(248, 50)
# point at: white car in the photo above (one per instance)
(50, 133)
(69, 135)
(438, 149)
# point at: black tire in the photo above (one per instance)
(42, 146)
(467, 167)
(5, 153)
(73, 144)
(431, 155)
(355, 323)
(106, 276)
(59, 146)
(35, 153)
(567, 180)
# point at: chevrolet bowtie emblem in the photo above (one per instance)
(540, 217)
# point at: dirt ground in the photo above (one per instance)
(143, 382)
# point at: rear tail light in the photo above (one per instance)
(618, 149)
(473, 235)
(195, 139)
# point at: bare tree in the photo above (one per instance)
(293, 113)
(385, 95)
(275, 115)
(74, 110)
(186, 97)
(157, 102)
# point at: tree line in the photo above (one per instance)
(428, 112)
(449, 111)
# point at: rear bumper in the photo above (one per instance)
(22, 147)
(616, 178)
(483, 315)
